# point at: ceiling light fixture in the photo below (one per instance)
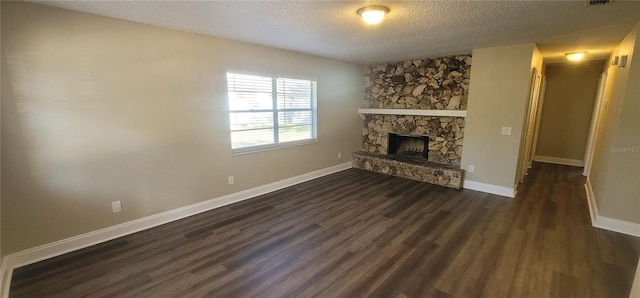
(575, 56)
(373, 14)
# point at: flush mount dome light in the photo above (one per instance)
(575, 56)
(373, 14)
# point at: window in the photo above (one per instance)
(266, 112)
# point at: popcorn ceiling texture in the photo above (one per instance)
(431, 84)
(412, 28)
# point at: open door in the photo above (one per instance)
(531, 121)
(595, 125)
(530, 124)
(536, 129)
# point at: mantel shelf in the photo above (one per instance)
(410, 112)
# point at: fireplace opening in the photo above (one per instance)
(409, 145)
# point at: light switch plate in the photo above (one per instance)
(506, 131)
(116, 206)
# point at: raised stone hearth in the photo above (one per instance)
(410, 167)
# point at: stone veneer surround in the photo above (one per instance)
(430, 84)
(445, 134)
(425, 84)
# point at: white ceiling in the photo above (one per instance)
(413, 29)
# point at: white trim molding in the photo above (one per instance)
(560, 161)
(490, 188)
(606, 223)
(36, 254)
(591, 202)
(412, 112)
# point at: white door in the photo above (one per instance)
(532, 112)
(536, 129)
(531, 122)
(595, 124)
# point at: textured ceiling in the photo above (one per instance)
(413, 29)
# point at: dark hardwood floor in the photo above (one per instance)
(361, 234)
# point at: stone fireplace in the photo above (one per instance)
(445, 135)
(416, 145)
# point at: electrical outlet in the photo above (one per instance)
(506, 131)
(232, 179)
(339, 155)
(116, 206)
(471, 168)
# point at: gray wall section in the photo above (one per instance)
(568, 105)
(96, 110)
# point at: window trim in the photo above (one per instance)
(275, 111)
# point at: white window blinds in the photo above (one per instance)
(266, 112)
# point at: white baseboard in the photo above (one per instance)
(606, 223)
(591, 201)
(560, 161)
(490, 188)
(36, 254)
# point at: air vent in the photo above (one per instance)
(597, 2)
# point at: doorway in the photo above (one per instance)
(567, 113)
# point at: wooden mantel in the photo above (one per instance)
(414, 112)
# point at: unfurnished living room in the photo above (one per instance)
(395, 149)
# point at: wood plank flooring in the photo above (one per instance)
(361, 234)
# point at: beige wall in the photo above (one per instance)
(615, 173)
(96, 110)
(498, 94)
(568, 104)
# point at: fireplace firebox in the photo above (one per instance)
(408, 145)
